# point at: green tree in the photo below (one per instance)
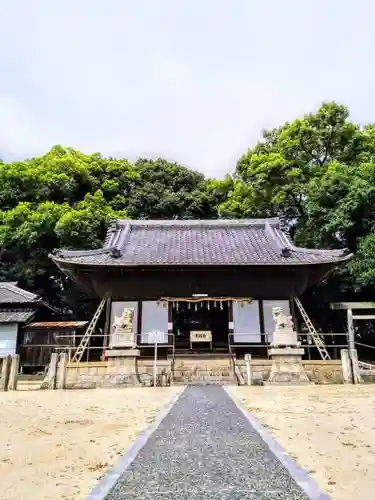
(66, 198)
(272, 178)
(167, 190)
(318, 174)
(29, 232)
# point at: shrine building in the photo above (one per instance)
(206, 284)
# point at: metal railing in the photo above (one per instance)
(266, 340)
(39, 355)
(368, 365)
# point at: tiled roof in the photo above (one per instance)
(16, 316)
(11, 293)
(244, 242)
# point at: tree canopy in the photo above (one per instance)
(66, 199)
(317, 173)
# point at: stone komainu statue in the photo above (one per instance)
(125, 321)
(282, 321)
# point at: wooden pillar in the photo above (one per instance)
(248, 369)
(353, 357)
(139, 323)
(263, 337)
(107, 324)
(51, 374)
(351, 331)
(5, 372)
(61, 371)
(13, 374)
(346, 367)
(230, 323)
(293, 312)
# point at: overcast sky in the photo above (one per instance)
(194, 81)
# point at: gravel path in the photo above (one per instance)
(205, 449)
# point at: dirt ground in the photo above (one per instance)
(328, 430)
(55, 445)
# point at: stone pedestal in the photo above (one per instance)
(286, 353)
(122, 337)
(123, 359)
(287, 367)
(122, 354)
(122, 367)
(285, 337)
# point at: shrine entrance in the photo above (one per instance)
(200, 325)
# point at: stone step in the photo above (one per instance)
(200, 363)
(204, 382)
(187, 380)
(202, 376)
(203, 367)
(211, 370)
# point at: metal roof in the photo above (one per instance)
(220, 242)
(11, 293)
(16, 316)
(58, 324)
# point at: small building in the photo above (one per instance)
(24, 328)
(223, 277)
(40, 339)
(17, 308)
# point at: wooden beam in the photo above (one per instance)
(352, 305)
(263, 337)
(107, 321)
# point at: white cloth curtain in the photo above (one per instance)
(246, 323)
(154, 319)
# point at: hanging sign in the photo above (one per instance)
(200, 336)
(157, 337)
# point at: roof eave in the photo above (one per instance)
(61, 262)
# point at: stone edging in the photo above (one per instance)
(106, 483)
(301, 477)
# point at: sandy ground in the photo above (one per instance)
(56, 444)
(328, 430)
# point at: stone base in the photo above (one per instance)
(287, 367)
(122, 353)
(122, 367)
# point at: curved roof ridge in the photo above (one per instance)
(79, 253)
(324, 251)
(274, 221)
(111, 231)
(273, 236)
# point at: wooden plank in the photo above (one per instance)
(363, 316)
(352, 305)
